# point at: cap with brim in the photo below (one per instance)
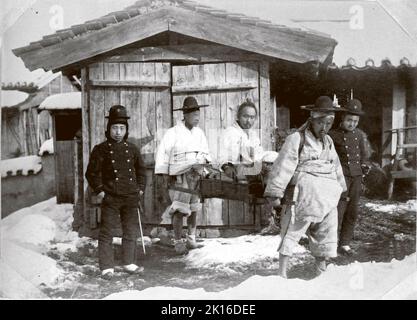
(354, 107)
(190, 104)
(323, 104)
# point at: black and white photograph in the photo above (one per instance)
(208, 150)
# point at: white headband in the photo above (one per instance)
(321, 114)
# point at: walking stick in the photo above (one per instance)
(140, 227)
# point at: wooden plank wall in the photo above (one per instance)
(218, 116)
(149, 110)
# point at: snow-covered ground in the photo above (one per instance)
(410, 205)
(29, 234)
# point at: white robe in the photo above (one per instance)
(243, 149)
(180, 149)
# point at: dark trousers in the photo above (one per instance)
(348, 210)
(113, 210)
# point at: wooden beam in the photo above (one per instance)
(88, 45)
(124, 83)
(267, 113)
(282, 43)
(221, 87)
(192, 53)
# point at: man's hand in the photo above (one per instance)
(229, 170)
(97, 199)
(275, 202)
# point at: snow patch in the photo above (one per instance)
(30, 164)
(34, 228)
(47, 147)
(356, 281)
(61, 101)
(409, 206)
(240, 252)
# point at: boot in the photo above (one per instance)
(320, 265)
(180, 246)
(107, 274)
(132, 269)
(192, 243)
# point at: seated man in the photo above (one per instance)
(242, 154)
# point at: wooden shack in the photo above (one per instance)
(151, 55)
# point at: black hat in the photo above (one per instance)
(190, 104)
(117, 114)
(323, 103)
(354, 106)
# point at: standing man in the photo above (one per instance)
(116, 173)
(180, 159)
(353, 149)
(307, 179)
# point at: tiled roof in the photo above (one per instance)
(145, 6)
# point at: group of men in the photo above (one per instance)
(314, 176)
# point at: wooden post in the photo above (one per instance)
(399, 107)
(85, 115)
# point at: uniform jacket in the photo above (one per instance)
(353, 150)
(116, 168)
(180, 148)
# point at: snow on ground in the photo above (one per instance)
(69, 100)
(25, 164)
(409, 206)
(47, 147)
(26, 235)
(221, 253)
(397, 279)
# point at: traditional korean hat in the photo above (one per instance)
(354, 106)
(117, 114)
(190, 104)
(323, 104)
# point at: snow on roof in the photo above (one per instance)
(47, 147)
(10, 98)
(46, 78)
(62, 101)
(23, 166)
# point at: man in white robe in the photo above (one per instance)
(309, 177)
(180, 159)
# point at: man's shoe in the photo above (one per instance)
(192, 243)
(180, 246)
(346, 250)
(107, 274)
(132, 269)
(320, 266)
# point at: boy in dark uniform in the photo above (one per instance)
(116, 173)
(353, 149)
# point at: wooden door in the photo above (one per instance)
(144, 89)
(223, 86)
(64, 171)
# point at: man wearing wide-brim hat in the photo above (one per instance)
(354, 151)
(180, 159)
(307, 180)
(116, 172)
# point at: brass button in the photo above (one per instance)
(115, 170)
(346, 147)
(131, 179)
(128, 160)
(348, 162)
(348, 155)
(117, 179)
(111, 152)
(130, 170)
(113, 161)
(127, 151)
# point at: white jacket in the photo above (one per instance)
(241, 148)
(180, 149)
